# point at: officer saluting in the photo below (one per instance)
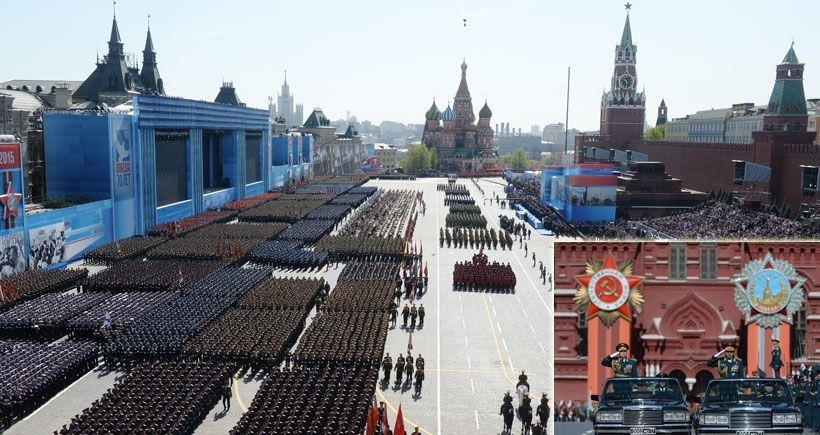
(622, 366)
(727, 365)
(776, 363)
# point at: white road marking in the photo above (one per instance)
(511, 366)
(490, 298)
(525, 314)
(494, 313)
(461, 308)
(463, 325)
(516, 298)
(504, 342)
(472, 386)
(533, 329)
(465, 342)
(476, 419)
(499, 326)
(469, 363)
(542, 347)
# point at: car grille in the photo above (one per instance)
(746, 419)
(643, 417)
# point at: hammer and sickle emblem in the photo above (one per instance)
(607, 287)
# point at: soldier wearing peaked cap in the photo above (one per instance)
(622, 366)
(776, 364)
(728, 366)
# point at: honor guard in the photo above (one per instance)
(776, 363)
(622, 366)
(728, 366)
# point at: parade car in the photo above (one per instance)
(641, 406)
(748, 407)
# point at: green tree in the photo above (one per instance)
(417, 159)
(518, 160)
(547, 159)
(657, 132)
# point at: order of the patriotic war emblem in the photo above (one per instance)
(768, 292)
(608, 290)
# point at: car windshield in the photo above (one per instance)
(661, 390)
(772, 392)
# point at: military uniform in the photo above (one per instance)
(728, 367)
(776, 363)
(622, 367)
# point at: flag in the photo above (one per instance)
(372, 418)
(399, 424)
(385, 423)
(410, 342)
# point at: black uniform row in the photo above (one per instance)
(336, 402)
(47, 314)
(199, 248)
(241, 230)
(346, 247)
(361, 295)
(371, 268)
(458, 199)
(117, 312)
(351, 199)
(287, 253)
(465, 208)
(308, 230)
(35, 282)
(156, 397)
(119, 250)
(31, 373)
(287, 208)
(335, 212)
(474, 238)
(152, 275)
(453, 189)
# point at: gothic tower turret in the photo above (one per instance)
(150, 72)
(623, 108)
(787, 105)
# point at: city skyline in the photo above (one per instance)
(387, 62)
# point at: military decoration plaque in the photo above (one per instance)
(768, 292)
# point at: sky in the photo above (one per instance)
(388, 59)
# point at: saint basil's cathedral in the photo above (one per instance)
(463, 146)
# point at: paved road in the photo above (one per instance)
(474, 344)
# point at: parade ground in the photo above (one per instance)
(475, 344)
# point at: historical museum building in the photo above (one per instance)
(678, 303)
(462, 145)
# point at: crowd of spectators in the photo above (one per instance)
(33, 372)
(156, 397)
(337, 403)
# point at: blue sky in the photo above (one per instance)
(387, 59)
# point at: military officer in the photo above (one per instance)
(622, 366)
(776, 363)
(420, 362)
(729, 367)
(387, 365)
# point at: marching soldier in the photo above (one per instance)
(776, 363)
(420, 363)
(409, 360)
(622, 366)
(404, 313)
(414, 313)
(728, 366)
(421, 315)
(419, 381)
(399, 368)
(387, 365)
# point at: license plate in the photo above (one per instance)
(642, 430)
(749, 432)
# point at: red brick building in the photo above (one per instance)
(688, 314)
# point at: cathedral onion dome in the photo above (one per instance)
(485, 111)
(433, 114)
(449, 114)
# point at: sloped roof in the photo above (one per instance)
(45, 84)
(317, 118)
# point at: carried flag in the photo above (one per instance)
(399, 423)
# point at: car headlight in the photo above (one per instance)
(675, 416)
(787, 418)
(714, 419)
(609, 416)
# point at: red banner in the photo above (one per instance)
(9, 156)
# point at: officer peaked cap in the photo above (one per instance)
(622, 346)
(729, 348)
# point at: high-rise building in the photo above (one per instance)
(286, 108)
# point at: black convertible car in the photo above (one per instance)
(641, 406)
(748, 407)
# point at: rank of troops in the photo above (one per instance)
(119, 250)
(465, 220)
(407, 370)
(23, 389)
(384, 215)
(343, 337)
(285, 293)
(151, 275)
(474, 238)
(35, 282)
(241, 230)
(116, 313)
(361, 295)
(47, 315)
(450, 199)
(196, 248)
(343, 248)
(308, 230)
(453, 189)
(288, 254)
(493, 277)
(180, 227)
